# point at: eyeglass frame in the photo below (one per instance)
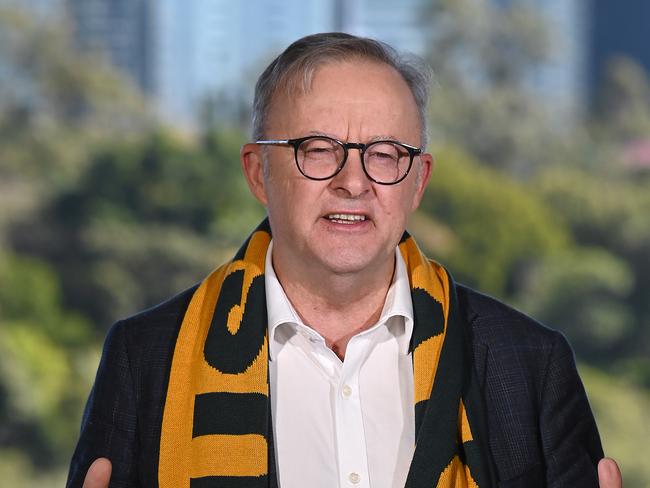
(295, 143)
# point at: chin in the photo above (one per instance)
(346, 261)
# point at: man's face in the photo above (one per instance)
(358, 101)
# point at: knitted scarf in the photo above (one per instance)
(216, 428)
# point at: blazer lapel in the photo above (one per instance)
(480, 353)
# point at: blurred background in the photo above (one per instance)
(120, 128)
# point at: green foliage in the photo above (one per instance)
(482, 54)
(582, 292)
(31, 292)
(621, 412)
(43, 359)
(46, 79)
(17, 472)
(55, 104)
(145, 220)
(608, 210)
(624, 101)
(495, 227)
(600, 207)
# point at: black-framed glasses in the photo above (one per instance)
(320, 157)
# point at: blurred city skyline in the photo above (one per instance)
(184, 53)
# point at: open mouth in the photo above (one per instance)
(341, 218)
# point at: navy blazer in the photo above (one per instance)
(540, 428)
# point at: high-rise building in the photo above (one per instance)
(183, 51)
(396, 23)
(209, 48)
(561, 79)
(617, 29)
(585, 35)
(120, 30)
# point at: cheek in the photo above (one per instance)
(399, 204)
(278, 187)
(290, 198)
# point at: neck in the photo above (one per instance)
(337, 306)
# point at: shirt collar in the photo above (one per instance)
(280, 311)
(399, 302)
(278, 307)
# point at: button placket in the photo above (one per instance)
(351, 442)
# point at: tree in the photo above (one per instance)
(492, 227)
(145, 220)
(483, 56)
(44, 363)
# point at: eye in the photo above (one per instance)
(319, 149)
(382, 155)
(318, 146)
(383, 151)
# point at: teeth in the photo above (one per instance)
(347, 218)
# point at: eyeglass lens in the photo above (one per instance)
(321, 158)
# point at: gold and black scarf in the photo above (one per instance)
(216, 429)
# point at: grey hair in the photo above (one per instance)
(295, 67)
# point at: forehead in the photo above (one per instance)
(340, 97)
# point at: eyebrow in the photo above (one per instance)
(382, 137)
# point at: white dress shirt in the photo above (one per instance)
(342, 423)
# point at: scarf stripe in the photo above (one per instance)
(216, 429)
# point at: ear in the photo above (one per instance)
(252, 164)
(422, 178)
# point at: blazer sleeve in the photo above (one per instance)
(570, 440)
(109, 424)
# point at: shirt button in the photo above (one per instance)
(354, 478)
(347, 391)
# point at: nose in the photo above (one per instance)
(351, 181)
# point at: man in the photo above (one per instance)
(329, 351)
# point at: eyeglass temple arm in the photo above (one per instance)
(274, 142)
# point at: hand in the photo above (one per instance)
(609, 476)
(99, 474)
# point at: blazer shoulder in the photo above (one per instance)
(541, 429)
(164, 317)
(493, 322)
(149, 337)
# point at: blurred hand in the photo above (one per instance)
(609, 476)
(99, 474)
